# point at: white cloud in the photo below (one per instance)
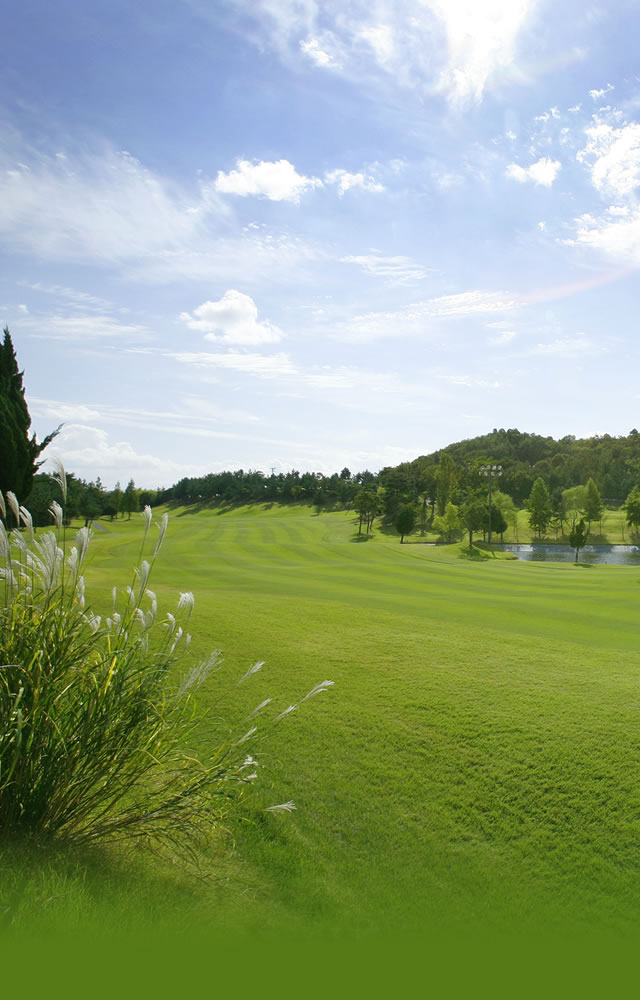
(613, 155)
(595, 95)
(346, 181)
(108, 209)
(615, 234)
(543, 172)
(452, 46)
(312, 49)
(100, 206)
(277, 180)
(232, 319)
(89, 451)
(397, 270)
(481, 40)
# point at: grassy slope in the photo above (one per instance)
(479, 755)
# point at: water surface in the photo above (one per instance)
(612, 555)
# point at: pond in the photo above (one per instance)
(613, 555)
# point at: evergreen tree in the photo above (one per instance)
(539, 506)
(130, 498)
(18, 451)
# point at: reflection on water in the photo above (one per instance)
(613, 555)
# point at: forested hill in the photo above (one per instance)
(612, 462)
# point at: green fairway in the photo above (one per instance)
(477, 760)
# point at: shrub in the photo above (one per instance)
(95, 719)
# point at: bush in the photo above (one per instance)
(95, 721)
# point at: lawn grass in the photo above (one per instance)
(477, 762)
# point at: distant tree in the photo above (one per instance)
(365, 504)
(558, 511)
(449, 524)
(446, 478)
(130, 498)
(473, 515)
(504, 503)
(147, 498)
(539, 507)
(113, 502)
(593, 505)
(631, 508)
(574, 499)
(18, 451)
(578, 537)
(498, 521)
(405, 521)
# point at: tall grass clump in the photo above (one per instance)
(96, 719)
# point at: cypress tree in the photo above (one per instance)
(18, 451)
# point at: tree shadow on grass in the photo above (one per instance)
(361, 538)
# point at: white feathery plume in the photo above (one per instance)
(252, 670)
(147, 515)
(114, 597)
(131, 595)
(287, 711)
(56, 513)
(3, 509)
(60, 477)
(5, 550)
(199, 673)
(17, 539)
(27, 520)
(322, 686)
(80, 591)
(12, 500)
(82, 541)
(142, 572)
(247, 735)
(93, 621)
(162, 532)
(258, 708)
(283, 807)
(186, 600)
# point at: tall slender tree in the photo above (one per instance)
(18, 451)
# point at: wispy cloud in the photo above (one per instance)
(86, 327)
(451, 46)
(413, 320)
(398, 270)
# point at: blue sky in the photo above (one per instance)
(309, 234)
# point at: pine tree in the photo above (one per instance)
(539, 505)
(18, 451)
